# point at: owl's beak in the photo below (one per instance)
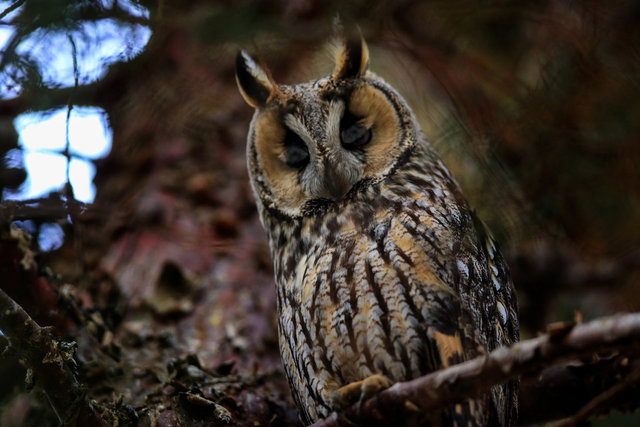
(336, 182)
(337, 192)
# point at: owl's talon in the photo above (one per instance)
(359, 391)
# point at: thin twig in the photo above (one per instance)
(563, 390)
(52, 364)
(11, 8)
(602, 401)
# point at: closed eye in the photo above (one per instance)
(353, 134)
(296, 151)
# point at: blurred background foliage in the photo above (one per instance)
(534, 106)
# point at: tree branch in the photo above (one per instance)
(50, 208)
(50, 98)
(102, 93)
(604, 401)
(11, 8)
(564, 390)
(620, 333)
(51, 363)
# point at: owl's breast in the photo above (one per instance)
(406, 236)
(364, 293)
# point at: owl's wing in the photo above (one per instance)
(452, 338)
(486, 289)
(425, 254)
(469, 304)
(485, 286)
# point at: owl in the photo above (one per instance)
(383, 273)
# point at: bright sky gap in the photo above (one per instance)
(43, 134)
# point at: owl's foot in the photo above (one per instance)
(359, 391)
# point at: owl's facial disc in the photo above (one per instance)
(330, 170)
(320, 150)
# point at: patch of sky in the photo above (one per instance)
(42, 135)
(43, 140)
(51, 236)
(98, 44)
(133, 8)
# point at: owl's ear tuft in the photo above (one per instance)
(253, 82)
(352, 59)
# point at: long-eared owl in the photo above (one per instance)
(383, 273)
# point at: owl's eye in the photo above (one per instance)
(296, 151)
(352, 133)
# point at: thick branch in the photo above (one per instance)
(620, 333)
(103, 93)
(606, 400)
(47, 99)
(51, 365)
(50, 208)
(564, 390)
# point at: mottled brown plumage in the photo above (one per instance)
(383, 273)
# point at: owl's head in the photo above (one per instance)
(317, 144)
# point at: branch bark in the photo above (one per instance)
(619, 334)
(51, 208)
(604, 401)
(103, 93)
(50, 98)
(51, 363)
(565, 390)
